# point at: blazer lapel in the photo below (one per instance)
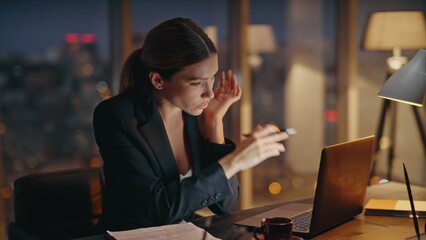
(194, 140)
(154, 133)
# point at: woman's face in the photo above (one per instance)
(191, 89)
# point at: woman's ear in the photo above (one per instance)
(156, 80)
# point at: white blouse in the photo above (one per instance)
(187, 175)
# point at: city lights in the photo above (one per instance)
(88, 38)
(331, 115)
(274, 188)
(6, 192)
(103, 89)
(80, 37)
(95, 162)
(2, 128)
(71, 37)
(297, 182)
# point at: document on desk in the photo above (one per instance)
(397, 208)
(182, 231)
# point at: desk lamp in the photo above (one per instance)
(393, 31)
(261, 39)
(409, 83)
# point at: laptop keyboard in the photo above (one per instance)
(302, 222)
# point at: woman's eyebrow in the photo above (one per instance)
(193, 78)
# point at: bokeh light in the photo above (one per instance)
(274, 188)
(95, 162)
(6, 192)
(2, 128)
(331, 116)
(297, 182)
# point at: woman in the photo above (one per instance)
(161, 138)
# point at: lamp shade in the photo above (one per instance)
(261, 38)
(389, 29)
(408, 85)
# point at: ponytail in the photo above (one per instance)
(132, 71)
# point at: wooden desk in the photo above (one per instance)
(361, 227)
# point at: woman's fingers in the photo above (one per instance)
(258, 127)
(271, 150)
(238, 91)
(228, 84)
(232, 83)
(229, 79)
(260, 152)
(264, 143)
(222, 80)
(268, 141)
(235, 88)
(269, 154)
(266, 130)
(278, 137)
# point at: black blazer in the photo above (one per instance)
(142, 184)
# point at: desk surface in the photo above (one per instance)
(360, 228)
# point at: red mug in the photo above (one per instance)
(275, 228)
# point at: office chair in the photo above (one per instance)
(57, 205)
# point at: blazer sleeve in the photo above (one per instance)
(136, 193)
(212, 152)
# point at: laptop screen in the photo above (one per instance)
(342, 183)
(341, 187)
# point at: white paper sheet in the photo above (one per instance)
(183, 231)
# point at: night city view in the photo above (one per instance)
(60, 59)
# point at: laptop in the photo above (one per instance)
(343, 178)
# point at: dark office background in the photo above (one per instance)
(55, 66)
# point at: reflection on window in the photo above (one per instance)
(47, 108)
(292, 50)
(50, 82)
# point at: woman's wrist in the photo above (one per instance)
(229, 165)
(214, 129)
(210, 117)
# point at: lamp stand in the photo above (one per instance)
(389, 111)
(396, 61)
(420, 125)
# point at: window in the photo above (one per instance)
(54, 69)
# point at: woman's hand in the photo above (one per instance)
(225, 95)
(228, 92)
(261, 145)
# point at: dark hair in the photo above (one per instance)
(167, 49)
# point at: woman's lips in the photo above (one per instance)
(204, 105)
